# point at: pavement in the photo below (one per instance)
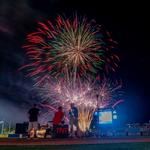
(70, 141)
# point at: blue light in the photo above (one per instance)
(115, 117)
(96, 113)
(114, 112)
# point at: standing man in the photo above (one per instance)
(33, 119)
(73, 120)
(58, 117)
(57, 120)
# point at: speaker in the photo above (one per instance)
(21, 128)
(61, 131)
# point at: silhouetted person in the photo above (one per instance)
(73, 119)
(33, 119)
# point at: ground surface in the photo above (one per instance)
(126, 143)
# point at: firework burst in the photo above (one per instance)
(87, 96)
(68, 52)
(107, 92)
(69, 47)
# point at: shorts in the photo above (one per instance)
(33, 125)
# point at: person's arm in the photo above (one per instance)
(39, 112)
(28, 114)
(63, 118)
(76, 113)
(54, 117)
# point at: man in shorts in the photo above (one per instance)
(33, 120)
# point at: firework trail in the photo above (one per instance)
(62, 56)
(68, 48)
(107, 92)
(87, 96)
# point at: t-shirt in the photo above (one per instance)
(58, 117)
(33, 114)
(73, 112)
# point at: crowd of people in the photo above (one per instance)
(58, 119)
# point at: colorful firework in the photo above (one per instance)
(70, 47)
(107, 92)
(86, 96)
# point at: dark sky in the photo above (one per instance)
(128, 23)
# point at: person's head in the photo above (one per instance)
(34, 105)
(59, 108)
(72, 105)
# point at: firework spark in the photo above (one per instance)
(107, 92)
(69, 47)
(69, 51)
(86, 96)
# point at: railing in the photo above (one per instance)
(5, 127)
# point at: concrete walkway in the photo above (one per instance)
(23, 141)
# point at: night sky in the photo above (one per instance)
(128, 24)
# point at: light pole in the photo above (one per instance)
(2, 123)
(9, 127)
